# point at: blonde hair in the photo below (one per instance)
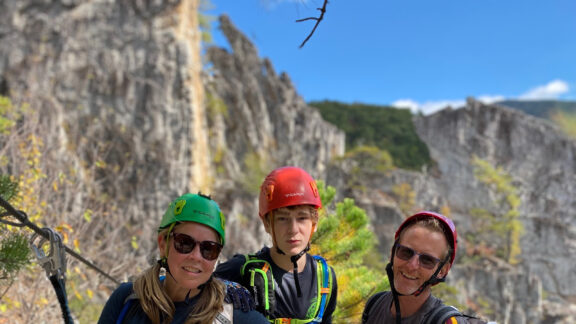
(157, 305)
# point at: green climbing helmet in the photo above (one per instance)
(197, 208)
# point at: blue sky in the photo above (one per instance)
(420, 54)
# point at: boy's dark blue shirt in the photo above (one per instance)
(288, 304)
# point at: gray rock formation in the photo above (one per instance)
(118, 89)
(116, 84)
(264, 124)
(117, 97)
(541, 162)
(541, 165)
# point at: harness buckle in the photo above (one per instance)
(55, 262)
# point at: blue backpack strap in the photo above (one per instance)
(324, 285)
(324, 280)
(127, 304)
(129, 301)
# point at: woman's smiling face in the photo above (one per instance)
(409, 275)
(187, 271)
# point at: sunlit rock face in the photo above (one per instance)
(118, 89)
(258, 122)
(129, 111)
(539, 163)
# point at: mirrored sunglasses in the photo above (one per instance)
(425, 260)
(185, 244)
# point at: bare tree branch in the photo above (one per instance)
(318, 20)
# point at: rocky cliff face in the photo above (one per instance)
(119, 108)
(127, 126)
(540, 163)
(263, 123)
(117, 84)
(117, 96)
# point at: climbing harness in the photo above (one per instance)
(258, 278)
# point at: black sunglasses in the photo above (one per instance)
(185, 244)
(425, 260)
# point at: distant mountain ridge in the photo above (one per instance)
(540, 108)
(364, 125)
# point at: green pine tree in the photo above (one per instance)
(14, 251)
(345, 240)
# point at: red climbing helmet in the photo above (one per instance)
(450, 232)
(287, 186)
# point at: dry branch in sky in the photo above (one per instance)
(318, 20)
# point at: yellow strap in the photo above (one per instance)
(452, 320)
(282, 320)
(290, 321)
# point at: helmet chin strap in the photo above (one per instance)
(433, 279)
(294, 259)
(164, 260)
(395, 293)
(271, 224)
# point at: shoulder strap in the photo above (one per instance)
(369, 304)
(324, 284)
(226, 316)
(441, 314)
(128, 301)
(257, 277)
(324, 281)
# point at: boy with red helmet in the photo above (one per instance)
(423, 252)
(288, 284)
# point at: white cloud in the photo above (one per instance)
(551, 90)
(427, 107)
(407, 103)
(488, 99)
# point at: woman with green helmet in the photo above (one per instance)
(190, 238)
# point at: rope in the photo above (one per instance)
(23, 218)
(60, 288)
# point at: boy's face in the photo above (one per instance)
(293, 227)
